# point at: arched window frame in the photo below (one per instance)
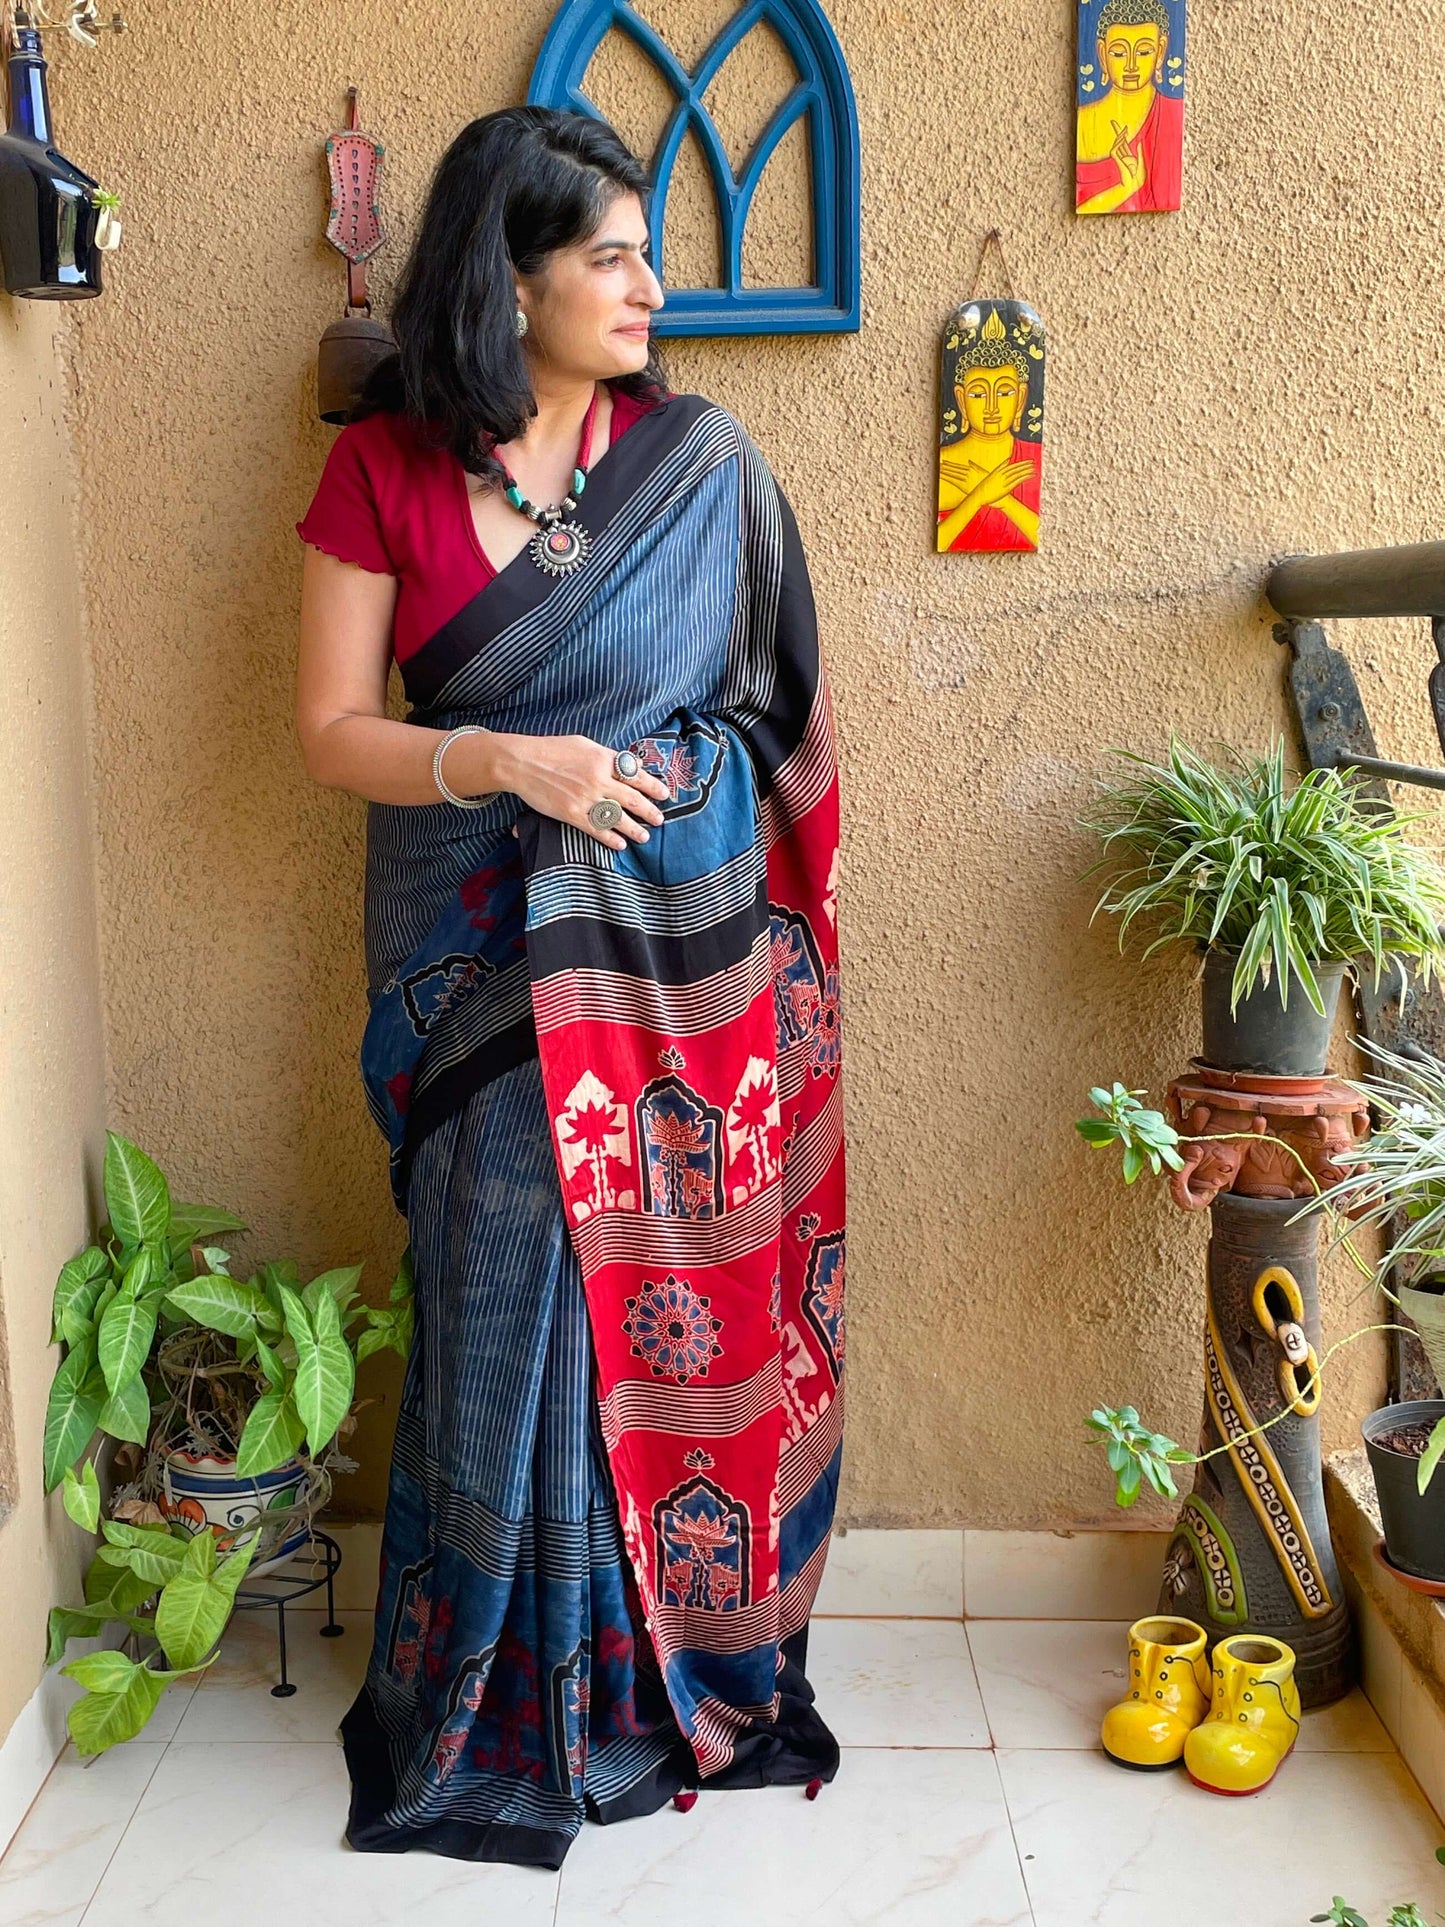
(823, 92)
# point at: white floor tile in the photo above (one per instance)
(1103, 1574)
(234, 1832)
(234, 1699)
(1048, 1683)
(896, 1840)
(53, 1864)
(912, 1573)
(1106, 1848)
(896, 1682)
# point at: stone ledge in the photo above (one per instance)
(1401, 1632)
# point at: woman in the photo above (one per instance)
(603, 1038)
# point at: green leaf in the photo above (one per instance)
(325, 1367)
(118, 1709)
(76, 1290)
(272, 1434)
(82, 1496)
(194, 1223)
(224, 1305)
(270, 1364)
(126, 1414)
(196, 1604)
(154, 1553)
(71, 1414)
(136, 1195)
(1431, 1456)
(72, 1622)
(125, 1334)
(341, 1283)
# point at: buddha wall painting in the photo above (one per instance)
(1130, 113)
(991, 420)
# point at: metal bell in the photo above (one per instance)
(348, 351)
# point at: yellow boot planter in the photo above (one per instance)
(1168, 1697)
(1253, 1719)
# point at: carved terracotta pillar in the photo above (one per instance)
(1251, 1550)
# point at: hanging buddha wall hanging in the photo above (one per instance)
(1129, 112)
(991, 425)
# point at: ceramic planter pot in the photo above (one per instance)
(1414, 1522)
(206, 1493)
(1263, 1035)
(1426, 1311)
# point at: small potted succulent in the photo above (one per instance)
(1280, 887)
(226, 1398)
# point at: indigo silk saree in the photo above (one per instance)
(611, 1083)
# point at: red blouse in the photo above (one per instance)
(398, 508)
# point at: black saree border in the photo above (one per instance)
(520, 587)
(452, 1088)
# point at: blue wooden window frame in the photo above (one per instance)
(823, 92)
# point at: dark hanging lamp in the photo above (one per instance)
(48, 213)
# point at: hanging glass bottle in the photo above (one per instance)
(47, 214)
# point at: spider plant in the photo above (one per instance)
(1235, 857)
(1400, 1166)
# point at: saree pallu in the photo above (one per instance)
(611, 1085)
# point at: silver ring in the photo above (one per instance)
(605, 814)
(626, 763)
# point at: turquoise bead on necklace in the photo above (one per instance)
(558, 547)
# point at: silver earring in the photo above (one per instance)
(521, 322)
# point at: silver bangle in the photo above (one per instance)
(462, 802)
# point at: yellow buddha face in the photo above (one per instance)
(1131, 56)
(991, 400)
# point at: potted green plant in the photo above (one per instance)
(187, 1368)
(1398, 1185)
(1281, 887)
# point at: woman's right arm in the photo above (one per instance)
(349, 742)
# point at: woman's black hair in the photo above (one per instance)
(512, 186)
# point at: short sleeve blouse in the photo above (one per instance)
(394, 506)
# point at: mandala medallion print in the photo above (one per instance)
(672, 1327)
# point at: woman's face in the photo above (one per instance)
(589, 307)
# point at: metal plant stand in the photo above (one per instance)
(279, 1589)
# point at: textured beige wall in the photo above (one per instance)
(1256, 374)
(52, 1126)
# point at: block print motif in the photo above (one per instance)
(673, 1328)
(703, 1548)
(687, 760)
(594, 1143)
(410, 1622)
(797, 974)
(429, 993)
(681, 1136)
(823, 1297)
(754, 1127)
(464, 1702)
(570, 1696)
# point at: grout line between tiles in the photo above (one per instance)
(1012, 1834)
(80, 1922)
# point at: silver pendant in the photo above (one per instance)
(560, 548)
